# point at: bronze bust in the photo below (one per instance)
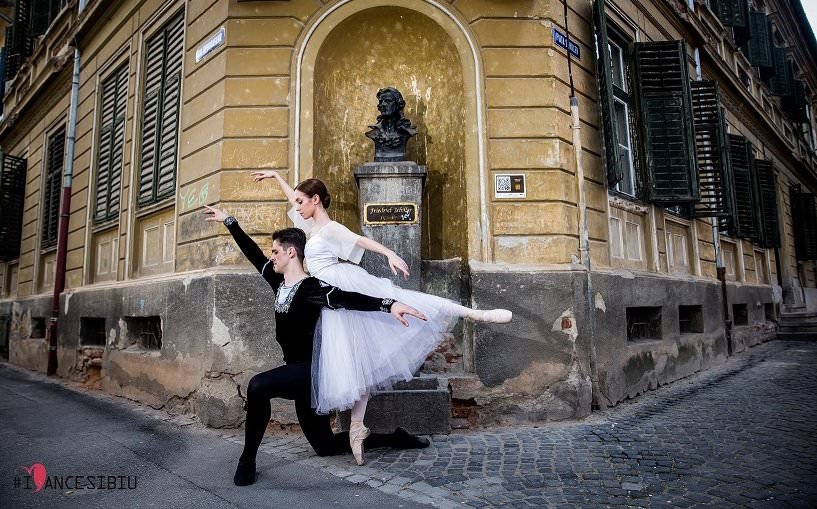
(392, 130)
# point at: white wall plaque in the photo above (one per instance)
(509, 186)
(212, 42)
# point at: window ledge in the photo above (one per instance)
(156, 207)
(627, 205)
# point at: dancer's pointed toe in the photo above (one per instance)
(356, 438)
(491, 315)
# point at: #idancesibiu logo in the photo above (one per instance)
(38, 476)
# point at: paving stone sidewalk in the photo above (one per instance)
(741, 435)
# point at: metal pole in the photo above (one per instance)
(65, 211)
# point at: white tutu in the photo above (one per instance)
(356, 352)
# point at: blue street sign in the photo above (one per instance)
(561, 40)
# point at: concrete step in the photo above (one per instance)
(799, 315)
(797, 336)
(798, 328)
(421, 406)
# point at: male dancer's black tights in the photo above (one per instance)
(293, 381)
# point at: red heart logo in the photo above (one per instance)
(38, 473)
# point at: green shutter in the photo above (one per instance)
(740, 155)
(732, 13)
(794, 106)
(111, 144)
(40, 16)
(714, 170)
(804, 212)
(758, 49)
(12, 198)
(780, 81)
(160, 114)
(53, 187)
(18, 39)
(612, 154)
(765, 189)
(171, 98)
(667, 125)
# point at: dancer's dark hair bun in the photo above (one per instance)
(311, 187)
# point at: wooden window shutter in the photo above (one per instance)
(604, 69)
(40, 16)
(732, 13)
(740, 155)
(171, 98)
(794, 106)
(765, 194)
(758, 49)
(804, 210)
(160, 112)
(53, 186)
(12, 198)
(780, 81)
(714, 171)
(667, 125)
(18, 39)
(111, 145)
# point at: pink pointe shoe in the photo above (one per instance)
(491, 315)
(356, 438)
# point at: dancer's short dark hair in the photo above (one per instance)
(291, 237)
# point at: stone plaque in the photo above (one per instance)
(390, 213)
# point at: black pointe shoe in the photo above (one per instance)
(405, 440)
(244, 474)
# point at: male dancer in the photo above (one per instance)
(298, 302)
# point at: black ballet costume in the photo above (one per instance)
(295, 322)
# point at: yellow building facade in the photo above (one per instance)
(614, 289)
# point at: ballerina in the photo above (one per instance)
(357, 352)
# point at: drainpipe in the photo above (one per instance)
(584, 235)
(716, 240)
(65, 209)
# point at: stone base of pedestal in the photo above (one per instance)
(390, 200)
(421, 406)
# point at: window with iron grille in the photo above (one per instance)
(110, 151)
(164, 53)
(12, 196)
(55, 157)
(804, 221)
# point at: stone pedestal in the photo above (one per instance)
(390, 200)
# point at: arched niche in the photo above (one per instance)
(345, 56)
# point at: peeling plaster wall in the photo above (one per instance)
(537, 368)
(216, 335)
(629, 368)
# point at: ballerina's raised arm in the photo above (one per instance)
(313, 204)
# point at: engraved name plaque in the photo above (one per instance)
(390, 213)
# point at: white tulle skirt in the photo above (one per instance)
(356, 352)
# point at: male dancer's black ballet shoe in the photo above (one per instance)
(244, 474)
(405, 440)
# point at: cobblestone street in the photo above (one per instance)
(740, 435)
